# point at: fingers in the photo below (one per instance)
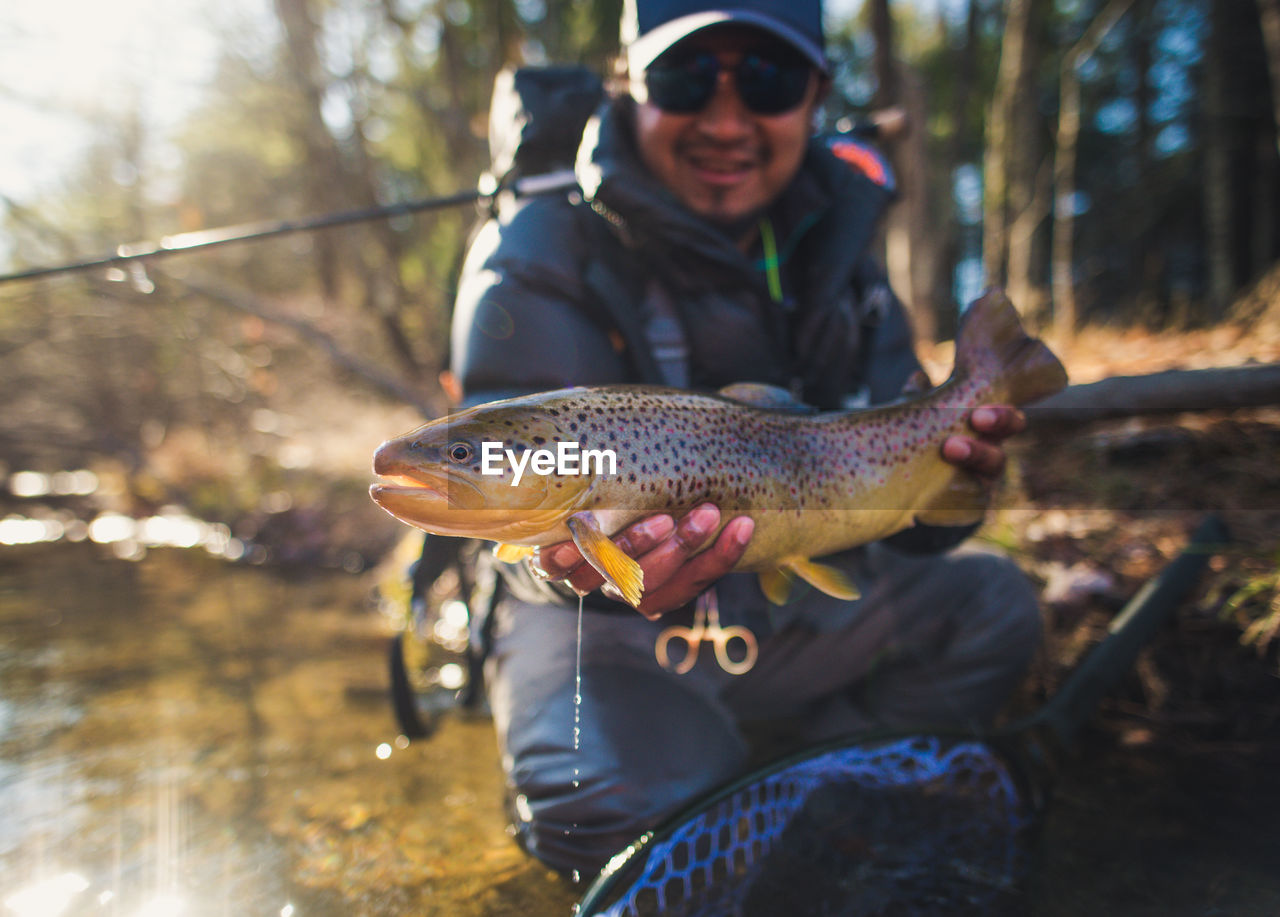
(997, 421)
(975, 456)
(673, 578)
(667, 551)
(690, 534)
(982, 454)
(565, 561)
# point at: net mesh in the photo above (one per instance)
(916, 825)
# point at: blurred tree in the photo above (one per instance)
(1269, 12)
(1217, 156)
(1064, 190)
(1016, 187)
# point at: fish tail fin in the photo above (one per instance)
(993, 346)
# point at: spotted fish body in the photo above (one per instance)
(814, 483)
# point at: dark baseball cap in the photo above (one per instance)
(650, 27)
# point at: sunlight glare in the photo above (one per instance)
(47, 897)
(452, 676)
(29, 484)
(109, 528)
(67, 64)
(163, 905)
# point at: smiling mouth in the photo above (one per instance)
(720, 169)
(721, 161)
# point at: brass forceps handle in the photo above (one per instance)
(691, 637)
(706, 627)
(720, 637)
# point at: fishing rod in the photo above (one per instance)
(490, 189)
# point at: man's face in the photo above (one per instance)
(725, 162)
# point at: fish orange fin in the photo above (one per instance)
(609, 560)
(964, 501)
(776, 584)
(823, 577)
(993, 346)
(512, 553)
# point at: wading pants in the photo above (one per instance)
(939, 640)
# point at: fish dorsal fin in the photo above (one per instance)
(823, 577)
(963, 501)
(512, 553)
(759, 395)
(609, 560)
(776, 584)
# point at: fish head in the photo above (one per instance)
(471, 474)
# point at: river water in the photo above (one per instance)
(181, 736)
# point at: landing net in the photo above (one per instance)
(919, 825)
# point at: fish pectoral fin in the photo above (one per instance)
(963, 501)
(823, 577)
(776, 584)
(609, 560)
(512, 553)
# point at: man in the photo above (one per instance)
(716, 243)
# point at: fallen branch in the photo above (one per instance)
(1169, 392)
(371, 373)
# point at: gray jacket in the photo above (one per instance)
(623, 284)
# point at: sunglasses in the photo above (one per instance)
(768, 83)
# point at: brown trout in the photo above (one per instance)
(532, 471)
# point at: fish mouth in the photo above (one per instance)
(459, 508)
(410, 484)
(423, 490)
(442, 506)
(417, 493)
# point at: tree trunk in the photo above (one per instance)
(1032, 193)
(909, 244)
(1004, 129)
(910, 240)
(325, 175)
(1065, 309)
(1264, 225)
(1217, 167)
(1269, 13)
(961, 147)
(883, 60)
(1147, 257)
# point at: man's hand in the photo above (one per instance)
(983, 455)
(665, 550)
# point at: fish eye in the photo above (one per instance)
(460, 452)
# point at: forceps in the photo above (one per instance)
(706, 627)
